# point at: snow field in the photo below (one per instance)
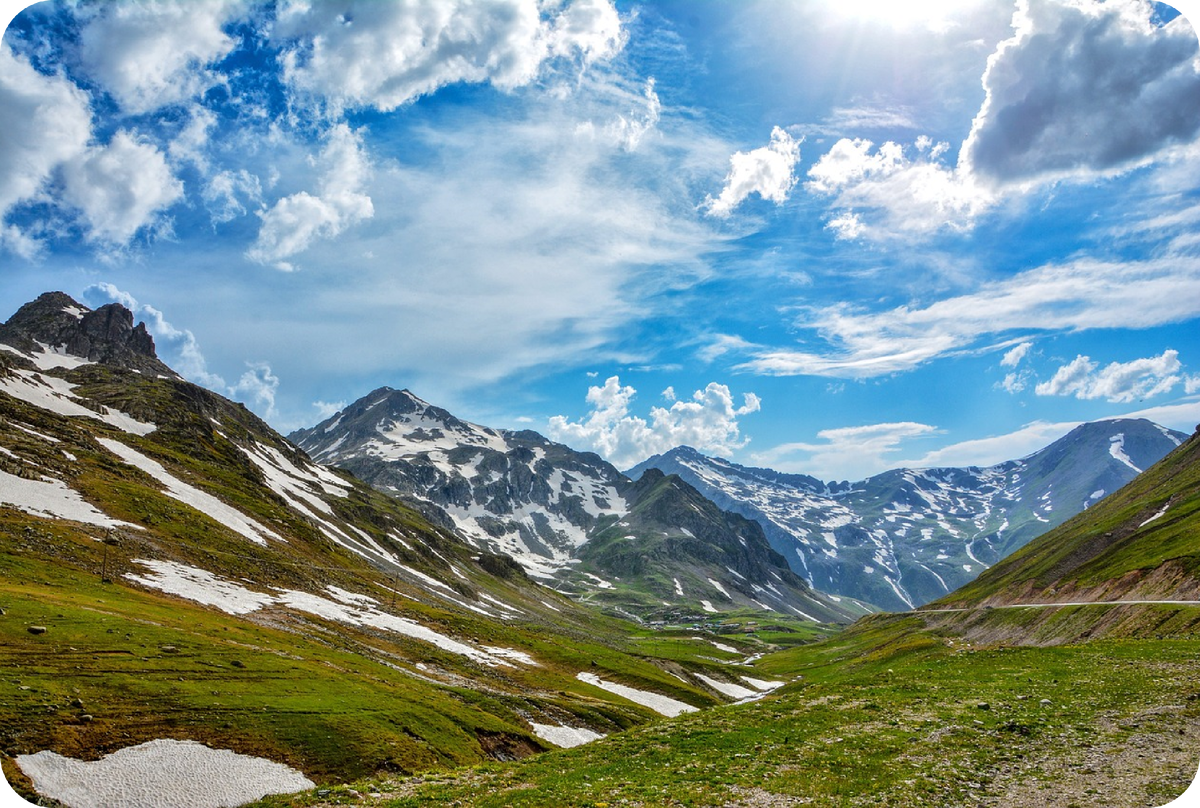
(563, 736)
(181, 774)
(50, 497)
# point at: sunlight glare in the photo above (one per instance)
(931, 14)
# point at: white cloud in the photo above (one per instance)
(995, 449)
(295, 221)
(47, 121)
(257, 388)
(1013, 357)
(630, 131)
(768, 171)
(669, 394)
(344, 53)
(852, 453)
(177, 347)
(1084, 88)
(155, 53)
(327, 409)
(1191, 384)
(120, 188)
(180, 350)
(1078, 296)
(884, 193)
(227, 193)
(709, 422)
(1118, 382)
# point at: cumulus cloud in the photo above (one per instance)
(155, 53)
(1013, 357)
(853, 452)
(1117, 382)
(257, 387)
(883, 192)
(227, 193)
(1084, 88)
(120, 188)
(768, 171)
(47, 121)
(295, 221)
(709, 422)
(1078, 296)
(348, 54)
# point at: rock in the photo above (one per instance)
(983, 705)
(1045, 702)
(169, 649)
(36, 629)
(86, 718)
(237, 663)
(77, 703)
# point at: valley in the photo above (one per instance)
(174, 570)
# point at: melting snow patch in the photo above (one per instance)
(204, 587)
(663, 705)
(717, 586)
(1158, 515)
(1116, 448)
(201, 501)
(678, 587)
(182, 774)
(54, 394)
(762, 684)
(566, 737)
(49, 497)
(708, 607)
(736, 692)
(720, 646)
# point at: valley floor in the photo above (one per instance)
(891, 713)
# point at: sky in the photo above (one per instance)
(822, 237)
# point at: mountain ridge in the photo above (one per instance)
(906, 536)
(541, 502)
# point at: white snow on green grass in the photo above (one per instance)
(566, 737)
(180, 774)
(50, 497)
(736, 692)
(55, 394)
(663, 705)
(206, 503)
(351, 608)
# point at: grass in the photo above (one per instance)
(887, 713)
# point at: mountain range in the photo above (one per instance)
(655, 550)
(907, 536)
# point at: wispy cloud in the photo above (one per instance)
(845, 453)
(1086, 294)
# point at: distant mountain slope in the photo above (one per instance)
(1140, 543)
(904, 537)
(172, 567)
(676, 555)
(543, 503)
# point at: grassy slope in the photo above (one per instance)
(887, 713)
(1111, 550)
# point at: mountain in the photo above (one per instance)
(1140, 543)
(907, 536)
(172, 568)
(569, 518)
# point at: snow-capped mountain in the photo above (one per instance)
(904, 537)
(544, 504)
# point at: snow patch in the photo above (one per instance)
(735, 692)
(708, 607)
(194, 497)
(663, 705)
(565, 737)
(50, 497)
(54, 394)
(182, 774)
(1116, 448)
(1158, 515)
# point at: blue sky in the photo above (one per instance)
(830, 238)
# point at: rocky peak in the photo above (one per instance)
(107, 334)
